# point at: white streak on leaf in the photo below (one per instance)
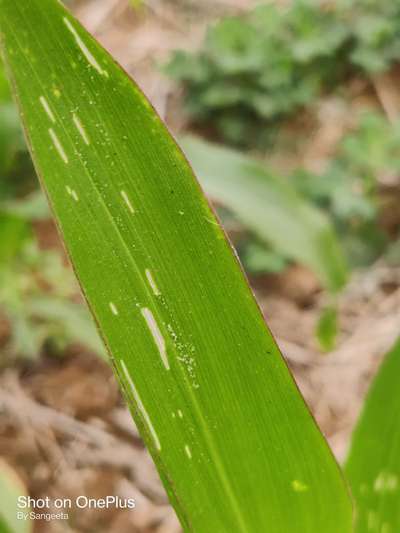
(386, 482)
(58, 146)
(113, 308)
(157, 336)
(72, 193)
(188, 451)
(180, 414)
(299, 486)
(84, 49)
(141, 407)
(127, 201)
(152, 283)
(81, 129)
(47, 108)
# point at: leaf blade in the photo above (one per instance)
(373, 466)
(127, 204)
(11, 489)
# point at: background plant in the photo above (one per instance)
(253, 72)
(372, 466)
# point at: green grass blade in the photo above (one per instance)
(373, 465)
(11, 488)
(232, 439)
(271, 208)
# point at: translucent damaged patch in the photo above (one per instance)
(84, 49)
(188, 451)
(157, 335)
(386, 482)
(72, 193)
(299, 486)
(140, 406)
(127, 202)
(152, 282)
(58, 146)
(80, 128)
(113, 308)
(47, 109)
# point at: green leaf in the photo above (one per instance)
(232, 439)
(5, 95)
(11, 487)
(13, 231)
(327, 328)
(257, 259)
(10, 136)
(271, 208)
(373, 465)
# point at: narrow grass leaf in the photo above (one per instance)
(327, 328)
(373, 465)
(232, 439)
(11, 488)
(271, 208)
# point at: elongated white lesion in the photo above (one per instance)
(127, 202)
(58, 146)
(84, 49)
(157, 335)
(81, 129)
(72, 193)
(152, 282)
(188, 451)
(141, 407)
(299, 486)
(47, 109)
(114, 309)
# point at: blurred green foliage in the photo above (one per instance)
(349, 188)
(327, 328)
(267, 204)
(38, 297)
(253, 71)
(11, 488)
(349, 191)
(16, 170)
